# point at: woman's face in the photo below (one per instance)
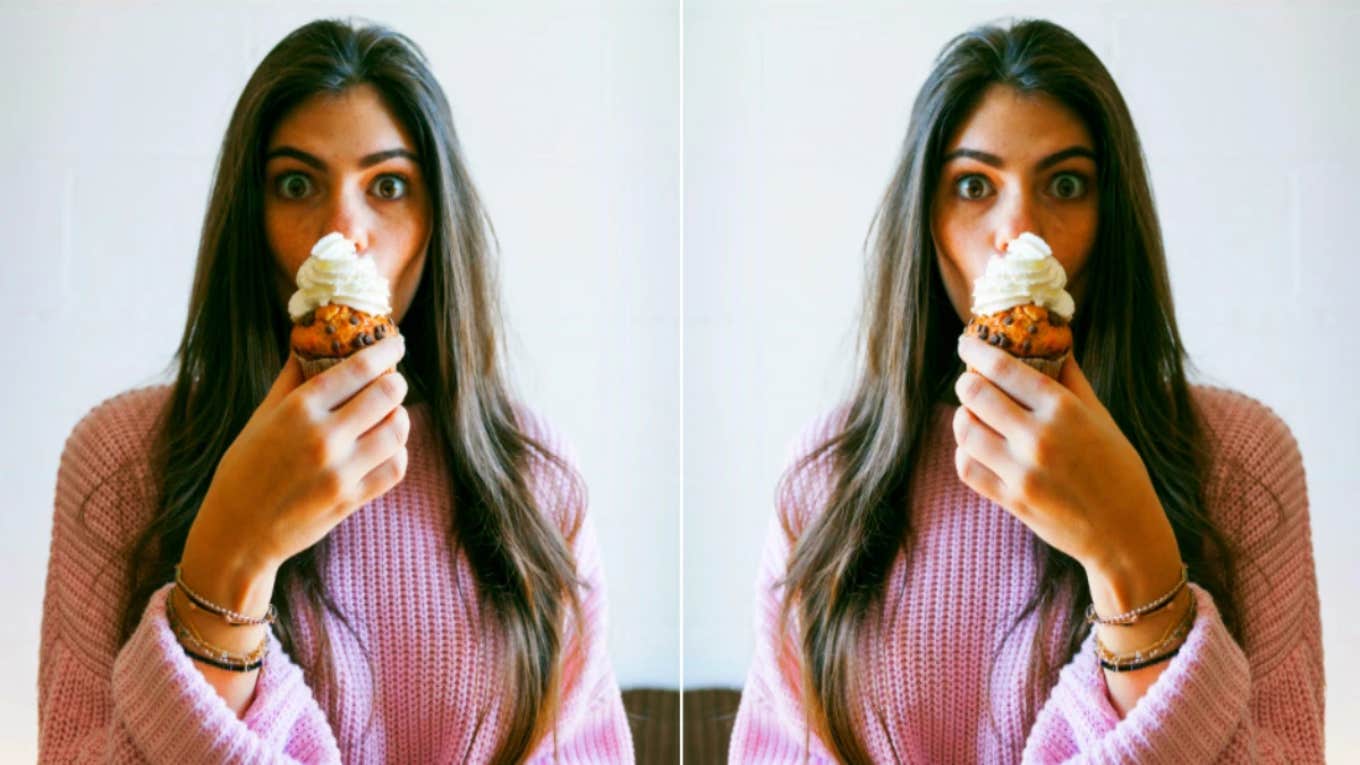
(342, 162)
(1019, 162)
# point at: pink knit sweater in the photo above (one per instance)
(389, 570)
(924, 661)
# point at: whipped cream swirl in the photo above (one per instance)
(336, 274)
(1028, 274)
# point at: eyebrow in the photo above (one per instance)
(316, 162)
(1046, 162)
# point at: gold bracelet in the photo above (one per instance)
(196, 646)
(1166, 646)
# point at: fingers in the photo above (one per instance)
(341, 382)
(290, 377)
(381, 455)
(1028, 386)
(994, 408)
(980, 442)
(376, 401)
(979, 477)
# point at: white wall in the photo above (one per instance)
(794, 113)
(570, 118)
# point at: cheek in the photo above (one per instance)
(285, 248)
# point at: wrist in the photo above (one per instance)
(239, 582)
(1123, 584)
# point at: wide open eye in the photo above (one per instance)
(973, 187)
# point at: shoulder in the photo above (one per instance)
(1244, 433)
(807, 481)
(551, 472)
(105, 479)
(115, 435)
(1254, 469)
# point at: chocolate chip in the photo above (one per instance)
(380, 331)
(366, 338)
(353, 320)
(1005, 341)
(308, 318)
(1034, 329)
(1026, 348)
(335, 346)
(1009, 320)
(982, 331)
(330, 329)
(996, 339)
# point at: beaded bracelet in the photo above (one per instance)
(196, 647)
(1166, 647)
(1131, 617)
(232, 618)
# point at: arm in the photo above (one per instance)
(143, 700)
(771, 724)
(1218, 700)
(592, 724)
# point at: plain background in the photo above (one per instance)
(794, 113)
(570, 119)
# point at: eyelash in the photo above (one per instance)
(284, 176)
(1080, 178)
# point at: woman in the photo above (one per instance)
(429, 569)
(925, 586)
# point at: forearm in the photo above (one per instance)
(1117, 589)
(241, 587)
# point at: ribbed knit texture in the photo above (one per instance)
(390, 570)
(970, 567)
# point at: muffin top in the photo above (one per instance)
(1024, 330)
(338, 330)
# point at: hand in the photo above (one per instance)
(1050, 453)
(312, 453)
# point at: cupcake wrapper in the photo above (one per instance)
(1050, 367)
(313, 367)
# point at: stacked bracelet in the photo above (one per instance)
(233, 618)
(1131, 617)
(1166, 647)
(196, 647)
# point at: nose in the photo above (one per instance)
(349, 215)
(1015, 217)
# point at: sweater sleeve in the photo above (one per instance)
(772, 724)
(1218, 700)
(143, 700)
(592, 725)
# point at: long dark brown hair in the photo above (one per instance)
(235, 342)
(1130, 350)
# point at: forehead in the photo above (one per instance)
(1009, 123)
(355, 121)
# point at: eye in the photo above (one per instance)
(1067, 186)
(973, 187)
(390, 187)
(293, 185)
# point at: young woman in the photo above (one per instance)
(924, 591)
(428, 569)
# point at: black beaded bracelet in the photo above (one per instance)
(1138, 665)
(224, 665)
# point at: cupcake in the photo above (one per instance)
(341, 305)
(1020, 305)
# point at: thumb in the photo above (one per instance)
(290, 377)
(1072, 378)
